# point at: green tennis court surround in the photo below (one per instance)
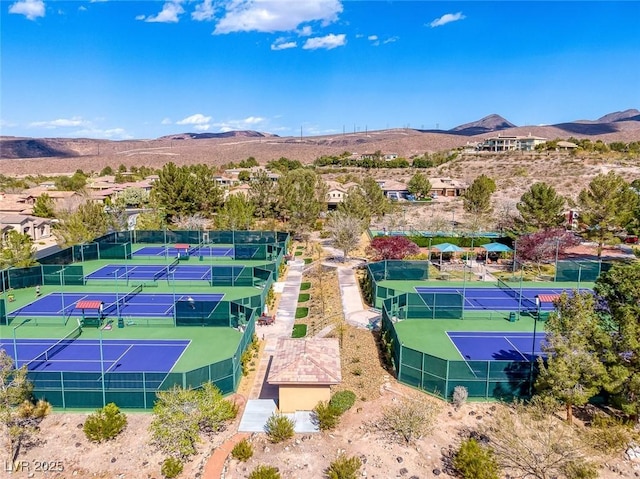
(146, 297)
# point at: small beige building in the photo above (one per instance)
(304, 370)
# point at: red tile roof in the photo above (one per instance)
(306, 361)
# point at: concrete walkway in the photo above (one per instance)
(355, 311)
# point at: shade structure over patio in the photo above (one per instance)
(495, 248)
(447, 248)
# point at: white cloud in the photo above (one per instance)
(82, 8)
(60, 123)
(275, 15)
(305, 31)
(31, 9)
(204, 11)
(390, 40)
(110, 133)
(447, 18)
(327, 42)
(282, 44)
(170, 13)
(197, 119)
(166, 121)
(249, 123)
(373, 38)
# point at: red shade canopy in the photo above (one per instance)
(88, 304)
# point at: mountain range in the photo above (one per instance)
(617, 126)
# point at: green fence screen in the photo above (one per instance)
(580, 271)
(3, 312)
(55, 274)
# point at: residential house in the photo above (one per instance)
(447, 187)
(393, 189)
(11, 204)
(337, 192)
(511, 143)
(36, 228)
(566, 146)
(304, 371)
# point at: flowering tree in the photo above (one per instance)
(542, 246)
(391, 247)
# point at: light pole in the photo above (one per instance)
(104, 396)
(533, 345)
(115, 277)
(64, 313)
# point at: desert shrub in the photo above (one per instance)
(279, 428)
(326, 416)
(342, 401)
(474, 461)
(609, 434)
(242, 451)
(171, 467)
(106, 423)
(408, 419)
(460, 395)
(264, 472)
(580, 470)
(344, 467)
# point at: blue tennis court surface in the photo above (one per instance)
(171, 251)
(498, 299)
(123, 355)
(497, 346)
(139, 305)
(152, 272)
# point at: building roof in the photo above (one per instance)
(14, 219)
(439, 183)
(392, 185)
(306, 361)
(566, 144)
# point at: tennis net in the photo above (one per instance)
(54, 349)
(515, 294)
(195, 249)
(166, 270)
(123, 299)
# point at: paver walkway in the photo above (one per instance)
(261, 390)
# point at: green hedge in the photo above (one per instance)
(462, 241)
(305, 286)
(299, 331)
(303, 298)
(301, 313)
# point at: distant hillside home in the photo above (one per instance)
(390, 156)
(11, 204)
(337, 192)
(33, 226)
(304, 371)
(393, 189)
(447, 187)
(566, 146)
(511, 143)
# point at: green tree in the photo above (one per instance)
(606, 206)
(262, 191)
(301, 196)
(477, 198)
(133, 197)
(620, 290)
(379, 204)
(541, 207)
(244, 176)
(17, 251)
(236, 214)
(186, 191)
(71, 183)
(43, 207)
(572, 372)
(181, 415)
(106, 171)
(150, 220)
(419, 185)
(345, 230)
(85, 224)
(19, 417)
(355, 204)
(105, 424)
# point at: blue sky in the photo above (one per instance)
(124, 69)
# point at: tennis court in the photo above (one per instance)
(151, 272)
(132, 304)
(500, 298)
(92, 355)
(497, 346)
(172, 251)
